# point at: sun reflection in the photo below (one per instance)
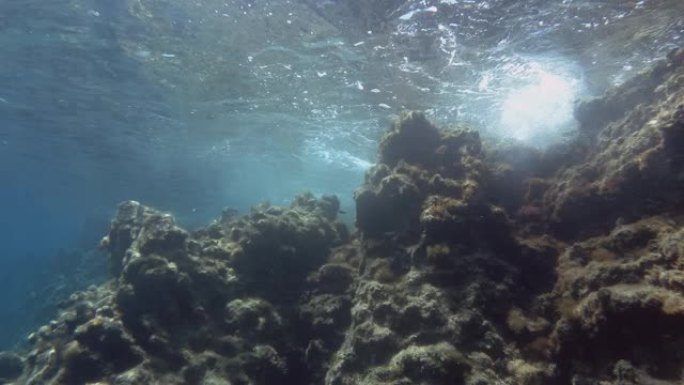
(541, 109)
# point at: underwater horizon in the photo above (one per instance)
(255, 144)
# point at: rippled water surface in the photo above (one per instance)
(220, 95)
(192, 106)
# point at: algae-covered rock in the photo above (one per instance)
(467, 224)
(437, 276)
(438, 363)
(253, 319)
(399, 327)
(412, 139)
(417, 160)
(138, 229)
(192, 308)
(635, 166)
(530, 373)
(108, 339)
(391, 206)
(621, 299)
(279, 247)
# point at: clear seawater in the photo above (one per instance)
(195, 105)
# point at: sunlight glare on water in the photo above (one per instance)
(232, 102)
(241, 88)
(540, 109)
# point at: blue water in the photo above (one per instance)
(195, 106)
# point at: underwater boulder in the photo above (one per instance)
(439, 363)
(108, 339)
(469, 225)
(418, 160)
(139, 229)
(279, 247)
(412, 139)
(328, 206)
(390, 206)
(253, 319)
(333, 278)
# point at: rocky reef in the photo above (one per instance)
(217, 306)
(470, 264)
(634, 165)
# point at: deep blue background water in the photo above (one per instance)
(195, 108)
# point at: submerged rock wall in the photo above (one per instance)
(471, 264)
(635, 165)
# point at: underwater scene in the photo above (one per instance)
(341, 192)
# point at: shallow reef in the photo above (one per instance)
(470, 264)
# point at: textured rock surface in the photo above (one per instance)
(621, 301)
(471, 265)
(193, 308)
(617, 301)
(437, 283)
(635, 165)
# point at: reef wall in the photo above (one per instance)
(470, 264)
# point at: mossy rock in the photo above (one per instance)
(439, 364)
